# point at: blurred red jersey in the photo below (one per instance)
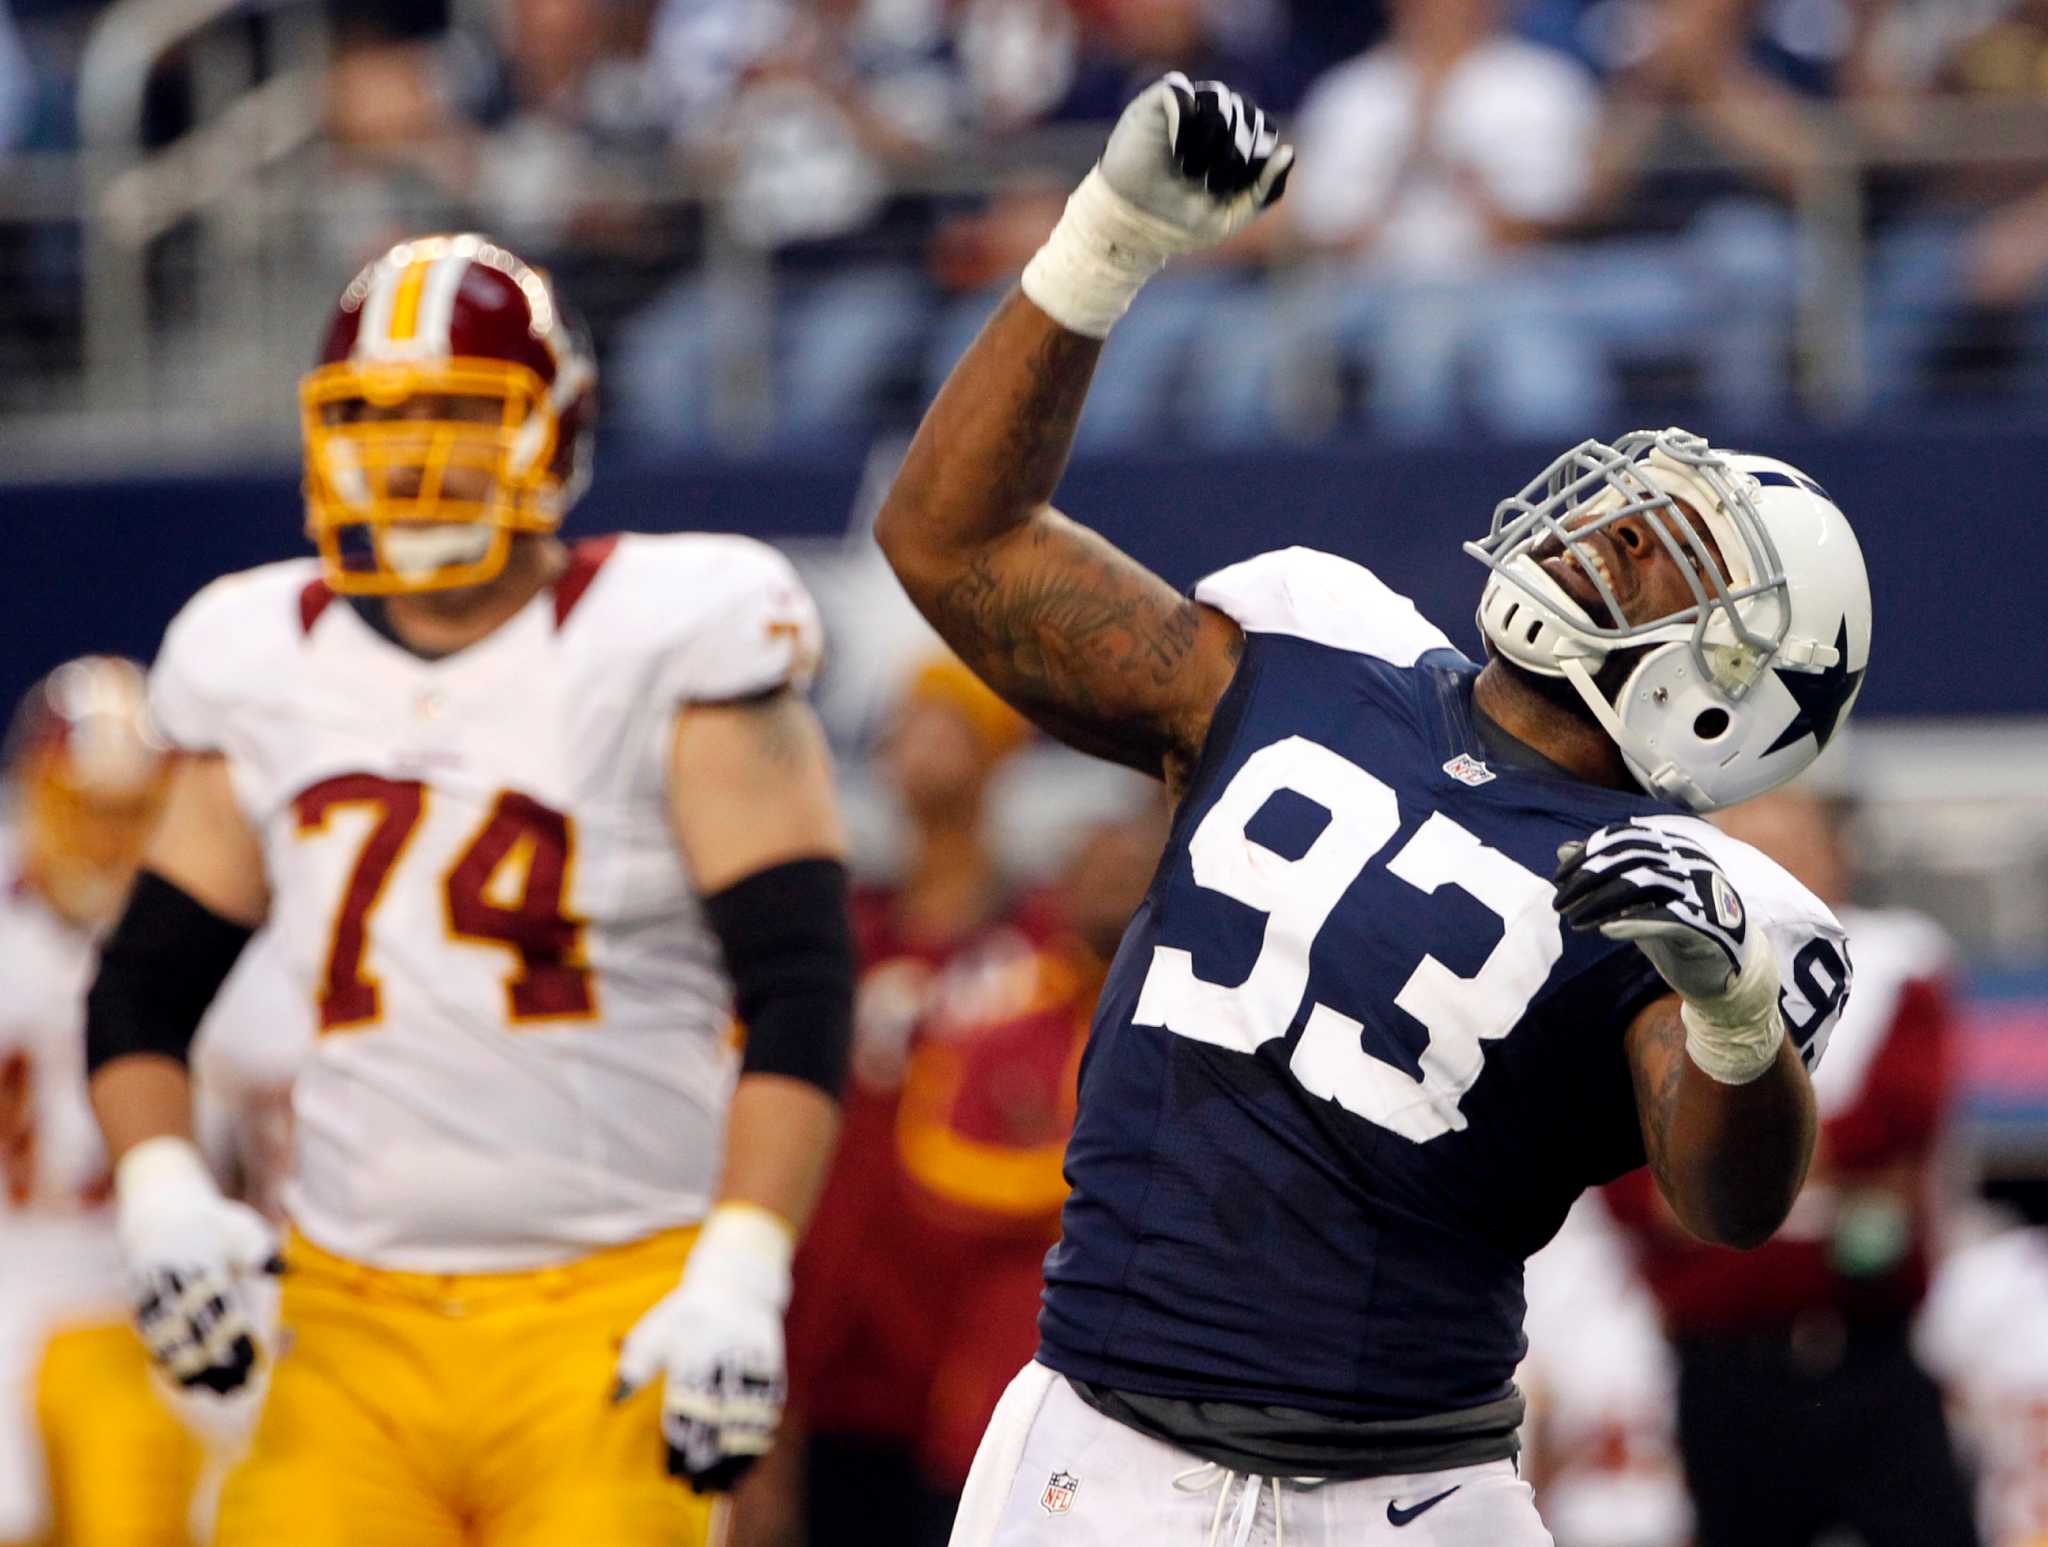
(918, 1281)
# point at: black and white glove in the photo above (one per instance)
(189, 1252)
(717, 1339)
(1632, 881)
(1187, 166)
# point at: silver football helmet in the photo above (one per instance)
(1732, 695)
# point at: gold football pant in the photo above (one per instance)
(462, 1410)
(122, 1467)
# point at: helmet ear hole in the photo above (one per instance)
(1710, 724)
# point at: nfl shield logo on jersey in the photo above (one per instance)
(1467, 769)
(1058, 1497)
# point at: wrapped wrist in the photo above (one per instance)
(748, 1247)
(162, 1165)
(1734, 1036)
(1098, 258)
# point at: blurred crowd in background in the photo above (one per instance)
(786, 216)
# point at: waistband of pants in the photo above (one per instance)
(457, 1293)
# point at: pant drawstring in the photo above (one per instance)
(1199, 1479)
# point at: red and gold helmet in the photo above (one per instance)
(454, 404)
(89, 773)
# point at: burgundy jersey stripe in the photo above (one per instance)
(586, 558)
(313, 601)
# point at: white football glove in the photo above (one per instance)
(717, 1336)
(1186, 166)
(188, 1250)
(1634, 882)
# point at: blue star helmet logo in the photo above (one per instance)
(1820, 697)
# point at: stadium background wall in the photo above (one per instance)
(1949, 524)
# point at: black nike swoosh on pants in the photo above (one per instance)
(1398, 1516)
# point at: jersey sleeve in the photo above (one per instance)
(184, 702)
(228, 633)
(1811, 945)
(753, 626)
(1324, 599)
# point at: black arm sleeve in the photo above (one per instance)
(789, 948)
(159, 970)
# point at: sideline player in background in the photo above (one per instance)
(1800, 1403)
(529, 821)
(1350, 1066)
(1984, 1333)
(91, 1455)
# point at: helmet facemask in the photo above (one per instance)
(1687, 672)
(419, 474)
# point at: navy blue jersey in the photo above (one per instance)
(1349, 1068)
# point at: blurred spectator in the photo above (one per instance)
(17, 84)
(800, 116)
(402, 157)
(569, 127)
(537, 124)
(1801, 1409)
(1107, 52)
(1599, 1444)
(1425, 164)
(945, 952)
(1958, 298)
(1984, 1332)
(1686, 283)
(1731, 71)
(562, 92)
(982, 1136)
(918, 1284)
(94, 1452)
(90, 1455)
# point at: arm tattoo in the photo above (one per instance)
(1041, 428)
(1657, 1069)
(1077, 635)
(1092, 645)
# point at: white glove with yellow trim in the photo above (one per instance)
(188, 1251)
(717, 1340)
(1187, 166)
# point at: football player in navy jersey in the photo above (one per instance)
(1435, 944)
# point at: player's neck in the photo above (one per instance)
(437, 623)
(1553, 724)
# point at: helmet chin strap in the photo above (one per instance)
(1666, 781)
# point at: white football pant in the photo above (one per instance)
(1053, 1472)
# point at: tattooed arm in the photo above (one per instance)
(1075, 633)
(1729, 1159)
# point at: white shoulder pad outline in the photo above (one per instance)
(729, 614)
(222, 647)
(1814, 968)
(1324, 599)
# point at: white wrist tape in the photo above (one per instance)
(1734, 1036)
(159, 1166)
(1098, 257)
(745, 1244)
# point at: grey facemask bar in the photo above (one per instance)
(1559, 494)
